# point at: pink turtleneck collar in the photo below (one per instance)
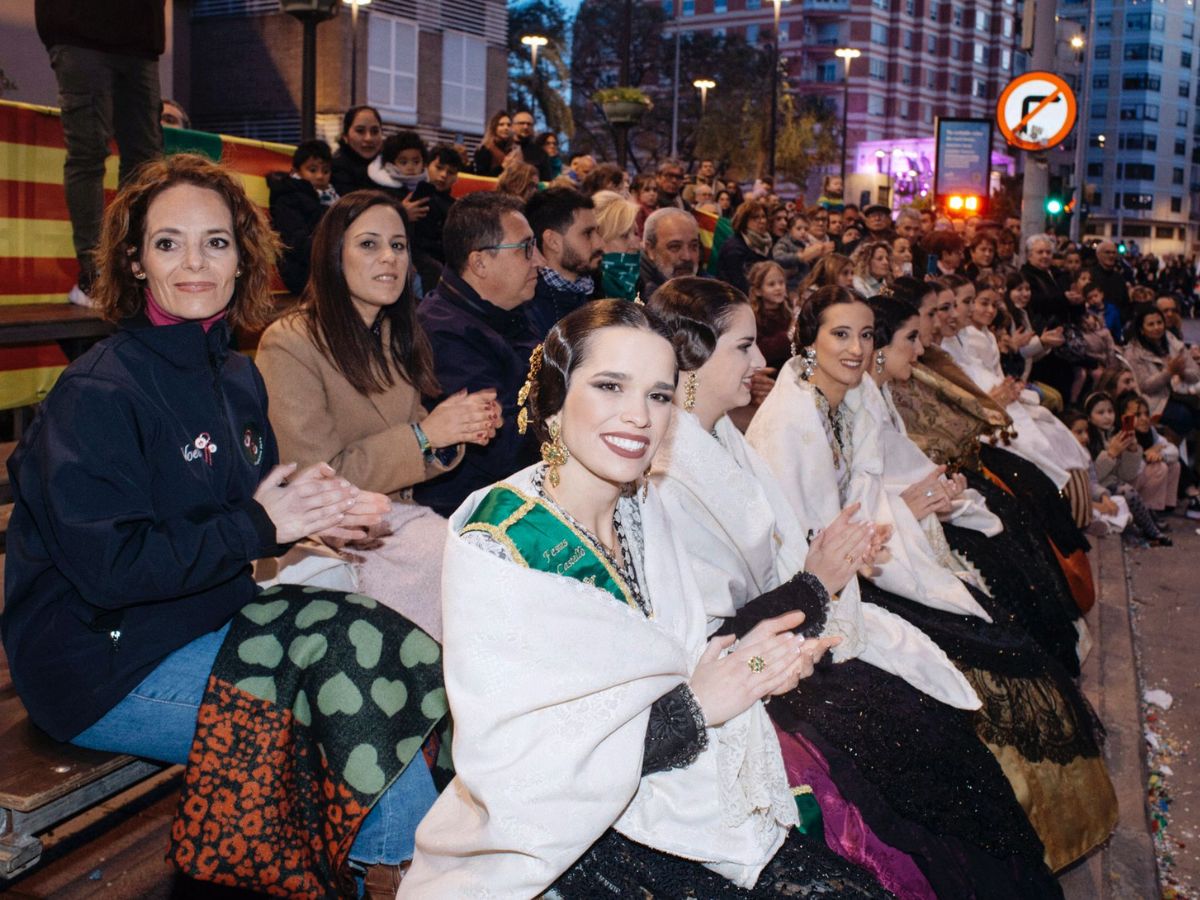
(159, 316)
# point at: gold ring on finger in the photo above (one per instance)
(850, 558)
(756, 664)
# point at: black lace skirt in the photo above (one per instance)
(916, 772)
(616, 867)
(1030, 588)
(1031, 485)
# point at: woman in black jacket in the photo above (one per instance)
(358, 144)
(143, 492)
(750, 243)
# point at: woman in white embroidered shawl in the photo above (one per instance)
(1006, 561)
(1040, 437)
(862, 741)
(601, 745)
(1033, 718)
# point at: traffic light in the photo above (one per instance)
(1054, 206)
(1122, 249)
(964, 204)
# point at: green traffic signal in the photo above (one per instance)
(1054, 206)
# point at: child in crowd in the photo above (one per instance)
(645, 194)
(796, 251)
(298, 199)
(1110, 515)
(1158, 482)
(1096, 337)
(1118, 462)
(832, 190)
(400, 165)
(774, 311)
(441, 173)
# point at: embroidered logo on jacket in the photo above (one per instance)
(201, 447)
(252, 443)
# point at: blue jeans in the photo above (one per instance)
(157, 720)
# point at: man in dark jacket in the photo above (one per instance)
(1108, 274)
(105, 58)
(480, 335)
(564, 225)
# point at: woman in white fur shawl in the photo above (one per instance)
(861, 740)
(1033, 718)
(602, 743)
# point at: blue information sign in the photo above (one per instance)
(964, 150)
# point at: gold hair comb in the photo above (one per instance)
(535, 366)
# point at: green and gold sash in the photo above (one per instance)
(539, 538)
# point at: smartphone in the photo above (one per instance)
(1127, 424)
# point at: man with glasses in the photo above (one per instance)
(480, 334)
(564, 224)
(522, 129)
(670, 183)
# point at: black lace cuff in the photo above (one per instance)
(675, 736)
(803, 591)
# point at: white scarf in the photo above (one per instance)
(904, 464)
(789, 432)
(743, 538)
(1041, 438)
(550, 683)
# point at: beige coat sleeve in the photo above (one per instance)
(319, 417)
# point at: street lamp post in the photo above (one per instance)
(1083, 61)
(774, 95)
(310, 13)
(354, 5)
(533, 41)
(705, 85)
(846, 55)
(675, 86)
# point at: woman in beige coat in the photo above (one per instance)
(345, 373)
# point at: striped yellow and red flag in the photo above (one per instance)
(37, 259)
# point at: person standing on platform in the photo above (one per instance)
(105, 58)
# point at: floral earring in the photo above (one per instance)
(810, 363)
(879, 362)
(689, 391)
(554, 452)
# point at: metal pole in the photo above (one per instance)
(354, 54)
(845, 114)
(774, 97)
(1037, 176)
(1081, 129)
(533, 62)
(675, 91)
(308, 82)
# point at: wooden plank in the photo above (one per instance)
(35, 769)
(31, 323)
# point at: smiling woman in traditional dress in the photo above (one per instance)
(1033, 718)
(865, 761)
(601, 744)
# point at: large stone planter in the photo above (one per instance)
(623, 112)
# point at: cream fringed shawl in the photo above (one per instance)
(788, 431)
(550, 683)
(743, 538)
(904, 464)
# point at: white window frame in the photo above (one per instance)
(467, 112)
(396, 28)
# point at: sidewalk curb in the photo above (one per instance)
(1124, 868)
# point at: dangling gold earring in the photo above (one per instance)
(554, 452)
(878, 362)
(689, 391)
